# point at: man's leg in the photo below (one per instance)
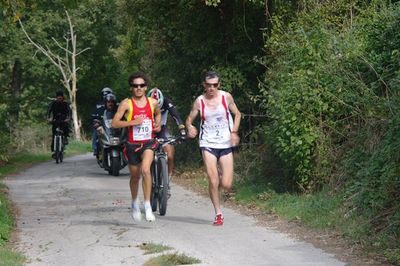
(210, 163)
(147, 159)
(226, 163)
(170, 150)
(134, 185)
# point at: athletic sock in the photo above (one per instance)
(136, 204)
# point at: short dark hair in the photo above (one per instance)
(210, 75)
(59, 93)
(136, 75)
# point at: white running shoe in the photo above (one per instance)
(136, 215)
(149, 215)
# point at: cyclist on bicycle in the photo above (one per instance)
(59, 111)
(167, 107)
(97, 110)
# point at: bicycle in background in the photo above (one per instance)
(59, 142)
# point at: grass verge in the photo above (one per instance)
(165, 259)
(171, 260)
(20, 161)
(151, 248)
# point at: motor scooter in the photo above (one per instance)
(110, 143)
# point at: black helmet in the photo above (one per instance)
(105, 91)
(110, 98)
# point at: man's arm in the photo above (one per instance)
(235, 111)
(50, 110)
(117, 121)
(173, 111)
(69, 115)
(192, 131)
(235, 139)
(157, 115)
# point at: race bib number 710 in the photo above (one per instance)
(143, 131)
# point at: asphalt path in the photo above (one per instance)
(74, 213)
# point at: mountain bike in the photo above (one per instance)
(160, 178)
(59, 142)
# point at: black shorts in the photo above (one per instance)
(218, 153)
(134, 151)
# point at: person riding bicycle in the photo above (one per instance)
(167, 107)
(59, 111)
(99, 105)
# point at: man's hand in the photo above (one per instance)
(157, 127)
(192, 132)
(235, 139)
(137, 121)
(49, 120)
(182, 132)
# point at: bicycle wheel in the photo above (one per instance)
(163, 185)
(154, 193)
(57, 150)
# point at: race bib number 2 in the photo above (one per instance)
(143, 131)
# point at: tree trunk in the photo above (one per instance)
(15, 92)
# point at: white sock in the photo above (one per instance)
(136, 204)
(147, 205)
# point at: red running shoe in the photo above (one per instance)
(219, 219)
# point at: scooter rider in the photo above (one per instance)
(99, 105)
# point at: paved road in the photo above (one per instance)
(76, 214)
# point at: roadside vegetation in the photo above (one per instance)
(318, 84)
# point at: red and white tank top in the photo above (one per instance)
(216, 123)
(144, 131)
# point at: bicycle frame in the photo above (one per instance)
(160, 178)
(58, 145)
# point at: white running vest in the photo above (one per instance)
(216, 124)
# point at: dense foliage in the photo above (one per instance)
(317, 81)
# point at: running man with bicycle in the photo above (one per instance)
(141, 115)
(167, 107)
(218, 134)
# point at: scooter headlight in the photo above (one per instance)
(114, 141)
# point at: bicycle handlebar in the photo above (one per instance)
(172, 141)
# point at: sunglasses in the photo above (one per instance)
(139, 85)
(209, 85)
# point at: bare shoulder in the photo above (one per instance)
(124, 104)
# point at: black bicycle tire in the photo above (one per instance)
(153, 195)
(57, 149)
(163, 185)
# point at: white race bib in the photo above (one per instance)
(143, 131)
